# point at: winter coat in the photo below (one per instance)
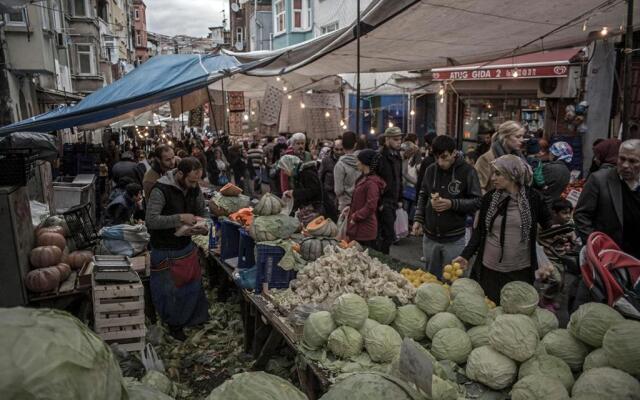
(426, 162)
(345, 175)
(119, 211)
(286, 182)
(599, 207)
(389, 168)
(362, 220)
(126, 168)
(460, 184)
(539, 215)
(556, 178)
(325, 172)
(308, 189)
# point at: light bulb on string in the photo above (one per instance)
(441, 90)
(302, 105)
(441, 99)
(278, 78)
(327, 114)
(341, 122)
(228, 110)
(284, 88)
(604, 31)
(412, 113)
(390, 124)
(253, 113)
(170, 143)
(372, 131)
(584, 25)
(246, 117)
(515, 73)
(289, 96)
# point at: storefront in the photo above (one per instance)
(481, 96)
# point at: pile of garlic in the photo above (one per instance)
(349, 270)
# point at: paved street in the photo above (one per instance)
(408, 250)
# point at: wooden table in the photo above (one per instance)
(265, 332)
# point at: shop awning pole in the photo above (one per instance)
(358, 71)
(628, 57)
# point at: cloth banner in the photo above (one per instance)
(236, 101)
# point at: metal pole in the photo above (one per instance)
(358, 71)
(224, 109)
(628, 56)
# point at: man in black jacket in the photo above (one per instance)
(610, 201)
(389, 167)
(450, 191)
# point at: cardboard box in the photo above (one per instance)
(142, 264)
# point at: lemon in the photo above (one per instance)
(446, 275)
(459, 272)
(448, 268)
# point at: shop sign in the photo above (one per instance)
(557, 71)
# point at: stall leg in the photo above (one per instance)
(308, 380)
(248, 323)
(274, 340)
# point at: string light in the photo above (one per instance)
(441, 99)
(373, 131)
(163, 136)
(344, 127)
(441, 91)
(390, 124)
(170, 143)
(246, 117)
(228, 110)
(341, 122)
(604, 31)
(302, 105)
(253, 113)
(515, 73)
(284, 88)
(278, 78)
(327, 114)
(584, 25)
(412, 112)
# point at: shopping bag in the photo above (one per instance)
(342, 225)
(401, 226)
(288, 205)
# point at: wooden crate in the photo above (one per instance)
(142, 264)
(118, 311)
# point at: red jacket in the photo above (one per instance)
(362, 220)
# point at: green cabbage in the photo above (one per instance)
(367, 326)
(442, 389)
(382, 309)
(440, 321)
(410, 322)
(139, 391)
(539, 387)
(515, 336)
(451, 344)
(345, 342)
(596, 359)
(489, 367)
(160, 382)
(256, 386)
(470, 308)
(273, 227)
(622, 345)
(493, 314)
(545, 321)
(48, 354)
(591, 321)
(371, 386)
(317, 329)
(560, 343)
(432, 298)
(466, 285)
(382, 343)
(350, 310)
(608, 383)
(479, 335)
(550, 366)
(231, 204)
(518, 297)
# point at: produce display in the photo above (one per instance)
(382, 309)
(322, 227)
(49, 238)
(491, 368)
(45, 256)
(607, 383)
(342, 271)
(273, 227)
(440, 321)
(77, 259)
(243, 216)
(418, 276)
(382, 342)
(256, 385)
(514, 335)
(222, 206)
(312, 248)
(268, 205)
(539, 387)
(560, 343)
(43, 279)
(622, 347)
(230, 190)
(451, 344)
(548, 365)
(452, 272)
(591, 321)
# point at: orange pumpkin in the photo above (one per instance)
(243, 216)
(230, 190)
(54, 229)
(45, 256)
(43, 279)
(78, 258)
(46, 238)
(65, 270)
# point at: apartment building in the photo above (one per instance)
(139, 31)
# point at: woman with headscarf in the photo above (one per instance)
(504, 236)
(307, 192)
(605, 154)
(508, 139)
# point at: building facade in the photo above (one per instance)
(139, 32)
(331, 15)
(292, 22)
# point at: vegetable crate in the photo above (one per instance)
(118, 311)
(246, 250)
(81, 227)
(17, 166)
(230, 239)
(269, 274)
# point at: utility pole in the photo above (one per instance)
(358, 71)
(628, 57)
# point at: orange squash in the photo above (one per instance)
(78, 258)
(43, 279)
(230, 190)
(45, 256)
(65, 270)
(54, 229)
(243, 216)
(323, 227)
(46, 238)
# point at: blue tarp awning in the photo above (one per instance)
(158, 80)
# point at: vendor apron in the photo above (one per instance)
(184, 267)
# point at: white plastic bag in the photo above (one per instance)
(288, 205)
(342, 225)
(401, 226)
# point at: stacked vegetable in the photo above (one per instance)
(342, 271)
(269, 224)
(418, 276)
(321, 234)
(228, 200)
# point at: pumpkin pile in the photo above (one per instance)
(222, 205)
(268, 205)
(50, 264)
(269, 224)
(321, 233)
(230, 190)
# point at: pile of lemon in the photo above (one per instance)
(452, 272)
(418, 276)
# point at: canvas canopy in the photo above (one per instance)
(158, 80)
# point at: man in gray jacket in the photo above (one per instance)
(345, 173)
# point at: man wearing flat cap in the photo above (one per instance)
(390, 170)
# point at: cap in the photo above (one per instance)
(392, 132)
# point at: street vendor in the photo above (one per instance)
(176, 282)
(307, 195)
(505, 234)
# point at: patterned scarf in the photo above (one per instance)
(518, 171)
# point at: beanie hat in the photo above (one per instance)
(367, 157)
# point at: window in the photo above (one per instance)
(86, 63)
(18, 18)
(45, 18)
(57, 16)
(138, 39)
(301, 14)
(137, 14)
(329, 27)
(81, 8)
(279, 15)
(239, 35)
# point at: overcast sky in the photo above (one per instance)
(193, 17)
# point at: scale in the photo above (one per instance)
(114, 269)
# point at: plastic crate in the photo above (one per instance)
(230, 240)
(17, 166)
(71, 191)
(81, 226)
(246, 250)
(268, 272)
